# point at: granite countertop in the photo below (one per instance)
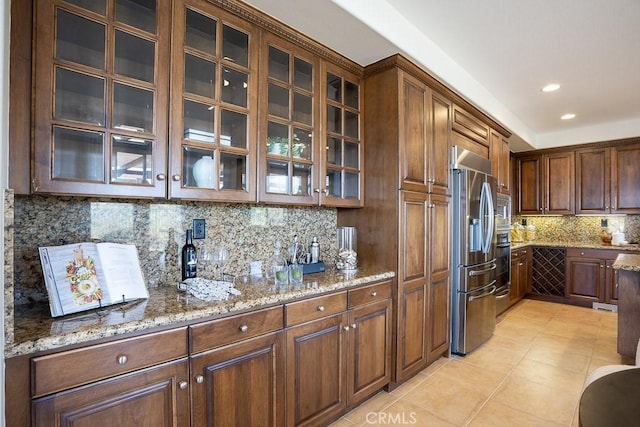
(569, 244)
(629, 262)
(36, 330)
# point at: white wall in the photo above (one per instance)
(5, 24)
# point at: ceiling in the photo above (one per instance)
(498, 54)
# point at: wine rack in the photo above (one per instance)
(547, 271)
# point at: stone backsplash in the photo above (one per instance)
(158, 228)
(581, 229)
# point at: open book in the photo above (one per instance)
(82, 276)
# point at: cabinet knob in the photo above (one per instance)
(374, 293)
(244, 328)
(175, 177)
(122, 359)
(346, 328)
(199, 379)
(183, 385)
(431, 180)
(524, 252)
(581, 253)
(321, 308)
(601, 265)
(354, 326)
(161, 177)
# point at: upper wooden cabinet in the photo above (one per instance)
(500, 168)
(213, 123)
(409, 125)
(101, 97)
(607, 180)
(470, 132)
(187, 99)
(545, 184)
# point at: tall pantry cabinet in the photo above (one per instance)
(405, 224)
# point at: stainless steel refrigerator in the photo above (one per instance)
(474, 264)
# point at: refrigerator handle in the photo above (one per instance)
(486, 294)
(486, 199)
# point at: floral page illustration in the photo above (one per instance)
(83, 278)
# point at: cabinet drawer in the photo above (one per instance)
(205, 336)
(60, 371)
(367, 294)
(315, 308)
(592, 253)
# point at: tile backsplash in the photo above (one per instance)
(158, 228)
(583, 229)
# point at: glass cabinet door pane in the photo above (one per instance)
(334, 151)
(97, 6)
(278, 101)
(334, 183)
(334, 87)
(278, 64)
(135, 56)
(277, 139)
(199, 76)
(351, 95)
(79, 97)
(302, 74)
(235, 46)
(137, 13)
(233, 129)
(277, 177)
(78, 154)
(234, 87)
(200, 32)
(301, 184)
(80, 40)
(334, 119)
(198, 168)
(233, 172)
(132, 108)
(351, 155)
(301, 144)
(131, 160)
(351, 187)
(302, 110)
(198, 122)
(351, 124)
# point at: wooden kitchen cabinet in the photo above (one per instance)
(520, 274)
(101, 98)
(625, 175)
(545, 184)
(590, 277)
(117, 383)
(470, 133)
(213, 116)
(500, 162)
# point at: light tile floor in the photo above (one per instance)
(530, 373)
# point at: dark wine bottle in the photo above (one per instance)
(189, 258)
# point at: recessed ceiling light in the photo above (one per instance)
(551, 87)
(568, 116)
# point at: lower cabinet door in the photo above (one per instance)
(369, 350)
(240, 384)
(316, 369)
(157, 396)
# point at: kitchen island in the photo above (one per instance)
(628, 268)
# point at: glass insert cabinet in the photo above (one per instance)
(183, 99)
(99, 90)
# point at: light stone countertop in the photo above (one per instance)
(628, 262)
(36, 330)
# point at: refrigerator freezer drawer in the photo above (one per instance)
(476, 319)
